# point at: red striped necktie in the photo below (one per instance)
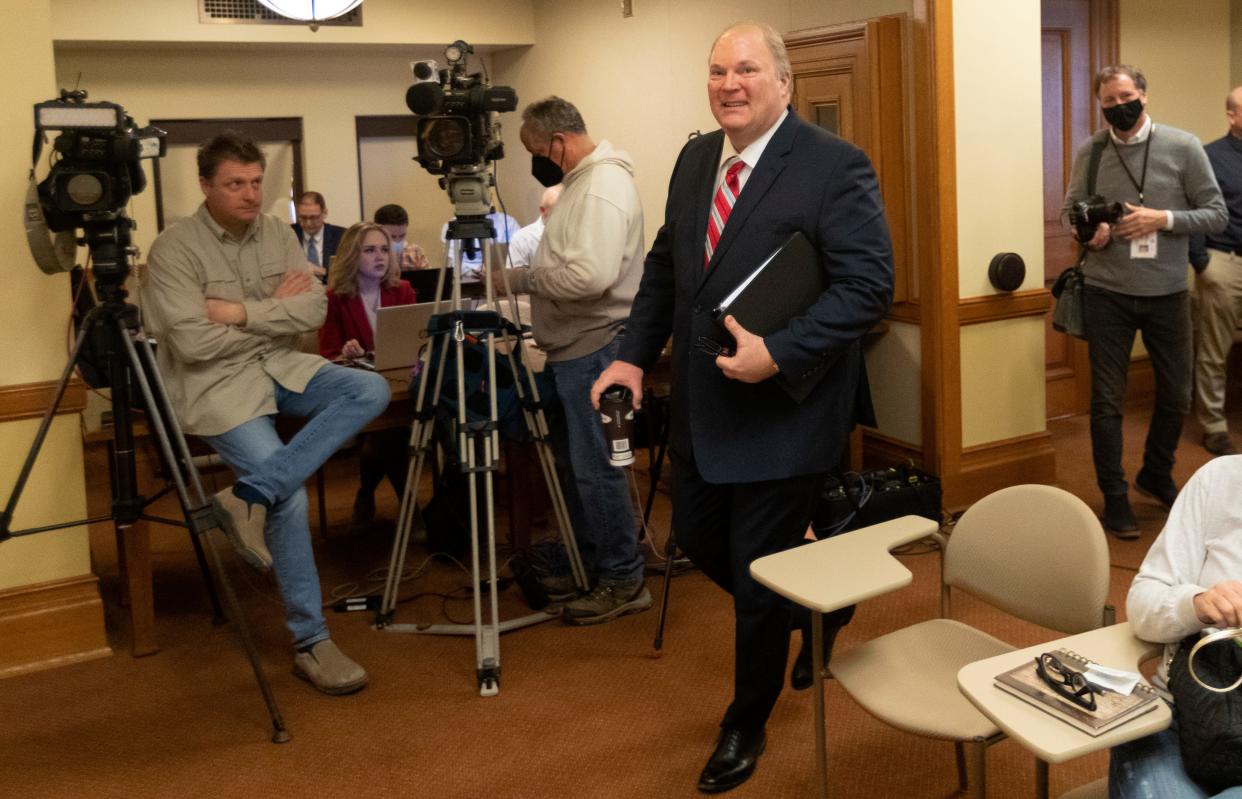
(722, 206)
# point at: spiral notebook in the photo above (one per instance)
(1112, 708)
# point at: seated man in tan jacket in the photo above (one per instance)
(228, 294)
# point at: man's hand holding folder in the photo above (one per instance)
(750, 363)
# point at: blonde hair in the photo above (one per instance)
(343, 274)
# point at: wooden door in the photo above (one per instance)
(1078, 37)
(848, 79)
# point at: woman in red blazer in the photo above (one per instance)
(365, 276)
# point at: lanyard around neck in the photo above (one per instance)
(1142, 181)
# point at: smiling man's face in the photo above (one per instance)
(746, 93)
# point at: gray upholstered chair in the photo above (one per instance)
(1033, 551)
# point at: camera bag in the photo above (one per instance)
(1208, 708)
(1068, 315)
(852, 501)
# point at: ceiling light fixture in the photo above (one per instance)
(312, 11)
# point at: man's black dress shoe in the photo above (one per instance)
(733, 760)
(802, 675)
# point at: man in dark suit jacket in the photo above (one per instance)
(312, 229)
(749, 461)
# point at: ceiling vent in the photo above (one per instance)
(252, 12)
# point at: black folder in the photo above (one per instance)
(782, 287)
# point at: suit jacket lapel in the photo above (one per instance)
(770, 165)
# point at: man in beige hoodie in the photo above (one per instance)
(582, 281)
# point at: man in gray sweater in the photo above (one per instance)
(1135, 275)
(582, 281)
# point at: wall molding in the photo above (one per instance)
(909, 312)
(989, 467)
(31, 400)
(880, 450)
(995, 307)
(46, 625)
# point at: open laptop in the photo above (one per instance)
(400, 332)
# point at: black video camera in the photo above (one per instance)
(455, 130)
(99, 167)
(1086, 215)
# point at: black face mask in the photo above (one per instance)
(1124, 116)
(545, 170)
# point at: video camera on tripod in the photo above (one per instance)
(458, 137)
(457, 134)
(99, 168)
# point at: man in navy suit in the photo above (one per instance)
(318, 238)
(748, 460)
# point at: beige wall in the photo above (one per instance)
(1183, 46)
(35, 320)
(428, 22)
(1235, 39)
(1002, 380)
(999, 191)
(895, 369)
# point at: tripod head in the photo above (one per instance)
(108, 238)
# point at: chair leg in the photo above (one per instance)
(1041, 779)
(959, 749)
(977, 760)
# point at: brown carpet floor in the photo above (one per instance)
(582, 712)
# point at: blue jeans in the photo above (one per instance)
(339, 401)
(597, 493)
(1112, 319)
(1151, 768)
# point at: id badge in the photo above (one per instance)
(1144, 246)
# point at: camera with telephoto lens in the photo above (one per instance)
(1086, 215)
(456, 128)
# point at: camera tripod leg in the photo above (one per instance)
(537, 427)
(477, 445)
(142, 361)
(670, 550)
(478, 448)
(45, 424)
(421, 431)
(656, 467)
(200, 518)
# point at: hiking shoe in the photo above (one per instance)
(1161, 489)
(1218, 443)
(328, 669)
(607, 602)
(243, 524)
(558, 587)
(1118, 518)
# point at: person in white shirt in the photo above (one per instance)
(526, 241)
(1189, 581)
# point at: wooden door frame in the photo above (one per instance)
(1103, 49)
(936, 250)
